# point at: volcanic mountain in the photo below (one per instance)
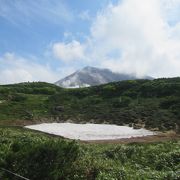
(91, 76)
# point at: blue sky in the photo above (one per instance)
(44, 40)
(29, 26)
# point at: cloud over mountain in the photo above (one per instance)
(135, 36)
(68, 52)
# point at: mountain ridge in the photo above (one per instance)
(91, 76)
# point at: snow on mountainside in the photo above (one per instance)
(90, 76)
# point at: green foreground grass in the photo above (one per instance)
(39, 157)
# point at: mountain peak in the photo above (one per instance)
(90, 76)
(89, 68)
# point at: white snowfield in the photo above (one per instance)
(89, 132)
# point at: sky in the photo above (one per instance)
(45, 40)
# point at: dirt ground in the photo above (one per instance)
(160, 137)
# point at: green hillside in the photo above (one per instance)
(154, 104)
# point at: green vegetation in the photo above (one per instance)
(37, 156)
(25, 101)
(154, 104)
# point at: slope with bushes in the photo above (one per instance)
(154, 104)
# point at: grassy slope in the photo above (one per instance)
(38, 156)
(153, 103)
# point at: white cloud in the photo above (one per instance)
(72, 51)
(139, 31)
(16, 69)
(133, 36)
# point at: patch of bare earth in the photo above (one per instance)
(160, 137)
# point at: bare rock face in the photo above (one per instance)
(91, 76)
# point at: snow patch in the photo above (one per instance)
(90, 131)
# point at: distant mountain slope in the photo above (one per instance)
(90, 76)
